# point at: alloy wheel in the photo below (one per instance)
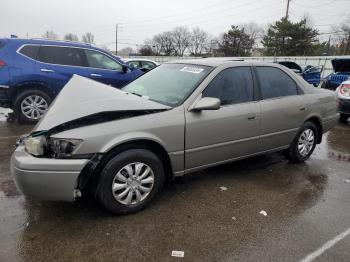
(133, 183)
(34, 106)
(306, 142)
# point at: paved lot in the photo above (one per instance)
(212, 215)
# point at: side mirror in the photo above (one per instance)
(125, 68)
(207, 103)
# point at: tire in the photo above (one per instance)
(24, 103)
(125, 164)
(295, 153)
(343, 117)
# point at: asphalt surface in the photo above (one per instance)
(213, 215)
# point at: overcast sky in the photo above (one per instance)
(142, 19)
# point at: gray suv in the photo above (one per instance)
(179, 118)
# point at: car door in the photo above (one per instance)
(312, 74)
(57, 64)
(107, 70)
(230, 132)
(282, 107)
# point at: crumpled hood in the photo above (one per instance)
(82, 97)
(341, 65)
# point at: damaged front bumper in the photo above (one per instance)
(46, 178)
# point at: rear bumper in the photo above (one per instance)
(43, 178)
(344, 106)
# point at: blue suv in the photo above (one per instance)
(341, 67)
(32, 72)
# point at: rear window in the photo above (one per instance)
(62, 56)
(30, 51)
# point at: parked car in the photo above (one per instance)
(32, 72)
(144, 65)
(343, 102)
(178, 118)
(341, 67)
(311, 74)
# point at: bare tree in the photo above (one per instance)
(71, 37)
(88, 38)
(342, 34)
(126, 51)
(154, 45)
(255, 31)
(181, 37)
(198, 41)
(50, 34)
(164, 42)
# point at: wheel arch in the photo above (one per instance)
(317, 122)
(36, 85)
(147, 144)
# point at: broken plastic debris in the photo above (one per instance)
(234, 218)
(223, 188)
(107, 234)
(347, 180)
(263, 212)
(175, 253)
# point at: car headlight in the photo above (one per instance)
(35, 145)
(62, 147)
(51, 147)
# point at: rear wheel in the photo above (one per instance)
(129, 181)
(303, 144)
(31, 105)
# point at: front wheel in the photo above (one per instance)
(303, 144)
(31, 105)
(129, 181)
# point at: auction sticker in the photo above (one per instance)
(192, 69)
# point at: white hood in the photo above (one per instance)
(83, 97)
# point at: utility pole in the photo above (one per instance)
(287, 11)
(116, 39)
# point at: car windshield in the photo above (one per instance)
(169, 84)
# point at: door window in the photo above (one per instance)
(231, 86)
(98, 60)
(62, 55)
(275, 83)
(134, 64)
(147, 65)
(30, 51)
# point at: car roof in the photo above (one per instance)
(22, 41)
(218, 61)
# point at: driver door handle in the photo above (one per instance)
(95, 75)
(46, 70)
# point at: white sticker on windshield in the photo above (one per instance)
(192, 69)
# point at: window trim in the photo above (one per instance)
(67, 46)
(255, 98)
(260, 98)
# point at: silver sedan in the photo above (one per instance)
(181, 117)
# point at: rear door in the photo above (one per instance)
(283, 107)
(107, 70)
(230, 132)
(57, 64)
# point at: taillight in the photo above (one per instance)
(2, 63)
(344, 89)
